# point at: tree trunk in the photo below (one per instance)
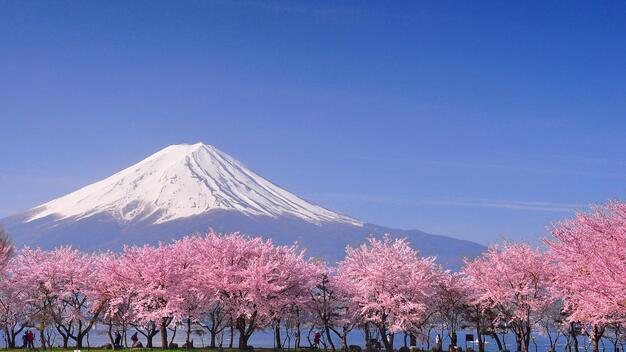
(110, 333)
(388, 342)
(10, 341)
(42, 334)
(330, 340)
(597, 335)
(149, 337)
(344, 342)
(572, 329)
(481, 343)
(277, 340)
(213, 336)
(188, 335)
(298, 335)
(412, 340)
(12, 335)
(79, 341)
(518, 341)
(243, 339)
(125, 334)
(164, 343)
(80, 335)
(245, 329)
(232, 336)
(453, 339)
(387, 338)
(497, 339)
(66, 339)
(173, 335)
(366, 334)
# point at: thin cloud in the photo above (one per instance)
(511, 167)
(458, 201)
(591, 160)
(508, 204)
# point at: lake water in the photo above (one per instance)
(265, 339)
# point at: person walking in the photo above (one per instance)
(25, 340)
(134, 340)
(316, 340)
(30, 338)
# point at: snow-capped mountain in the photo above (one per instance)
(184, 189)
(181, 181)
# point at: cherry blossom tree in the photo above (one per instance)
(484, 322)
(392, 285)
(215, 317)
(451, 302)
(553, 324)
(62, 283)
(513, 280)
(14, 311)
(120, 311)
(590, 252)
(117, 296)
(298, 277)
(254, 279)
(193, 298)
(332, 306)
(154, 278)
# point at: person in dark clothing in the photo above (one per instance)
(135, 340)
(25, 339)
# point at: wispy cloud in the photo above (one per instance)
(508, 204)
(591, 160)
(457, 201)
(513, 167)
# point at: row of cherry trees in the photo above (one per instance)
(577, 287)
(231, 284)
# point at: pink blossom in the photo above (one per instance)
(590, 254)
(513, 280)
(391, 284)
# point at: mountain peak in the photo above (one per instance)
(181, 181)
(183, 150)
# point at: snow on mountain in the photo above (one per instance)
(182, 181)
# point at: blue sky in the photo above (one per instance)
(481, 120)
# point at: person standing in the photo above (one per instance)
(30, 338)
(25, 340)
